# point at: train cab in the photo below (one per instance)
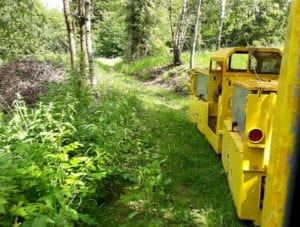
(251, 117)
(232, 104)
(211, 92)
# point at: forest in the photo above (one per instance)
(93, 120)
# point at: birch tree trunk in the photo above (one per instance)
(171, 22)
(70, 31)
(194, 41)
(220, 30)
(83, 41)
(90, 52)
(178, 38)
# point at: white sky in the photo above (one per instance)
(56, 4)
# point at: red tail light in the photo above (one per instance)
(255, 135)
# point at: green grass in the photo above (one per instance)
(125, 155)
(192, 189)
(201, 58)
(161, 69)
(148, 63)
(140, 66)
(197, 183)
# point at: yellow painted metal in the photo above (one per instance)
(260, 114)
(258, 173)
(203, 113)
(244, 162)
(244, 184)
(193, 112)
(197, 105)
(275, 212)
(210, 113)
(232, 140)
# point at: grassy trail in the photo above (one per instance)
(195, 191)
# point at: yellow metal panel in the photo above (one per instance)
(250, 196)
(229, 142)
(193, 111)
(197, 106)
(245, 185)
(203, 115)
(211, 137)
(246, 165)
(283, 143)
(198, 112)
(259, 112)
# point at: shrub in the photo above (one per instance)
(64, 159)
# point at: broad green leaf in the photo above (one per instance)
(3, 201)
(42, 221)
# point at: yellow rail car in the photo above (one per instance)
(211, 98)
(237, 106)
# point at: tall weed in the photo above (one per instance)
(69, 155)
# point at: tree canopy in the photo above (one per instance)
(137, 28)
(27, 27)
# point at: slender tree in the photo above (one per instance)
(179, 37)
(83, 39)
(90, 52)
(194, 41)
(221, 21)
(86, 64)
(70, 30)
(131, 27)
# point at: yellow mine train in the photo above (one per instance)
(247, 105)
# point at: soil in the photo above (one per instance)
(27, 77)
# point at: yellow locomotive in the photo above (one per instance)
(238, 106)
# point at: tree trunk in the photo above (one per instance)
(130, 21)
(171, 21)
(129, 51)
(83, 41)
(177, 56)
(70, 30)
(89, 42)
(194, 41)
(220, 30)
(178, 40)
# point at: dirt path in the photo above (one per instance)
(109, 61)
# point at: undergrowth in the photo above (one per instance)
(192, 188)
(67, 157)
(123, 156)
